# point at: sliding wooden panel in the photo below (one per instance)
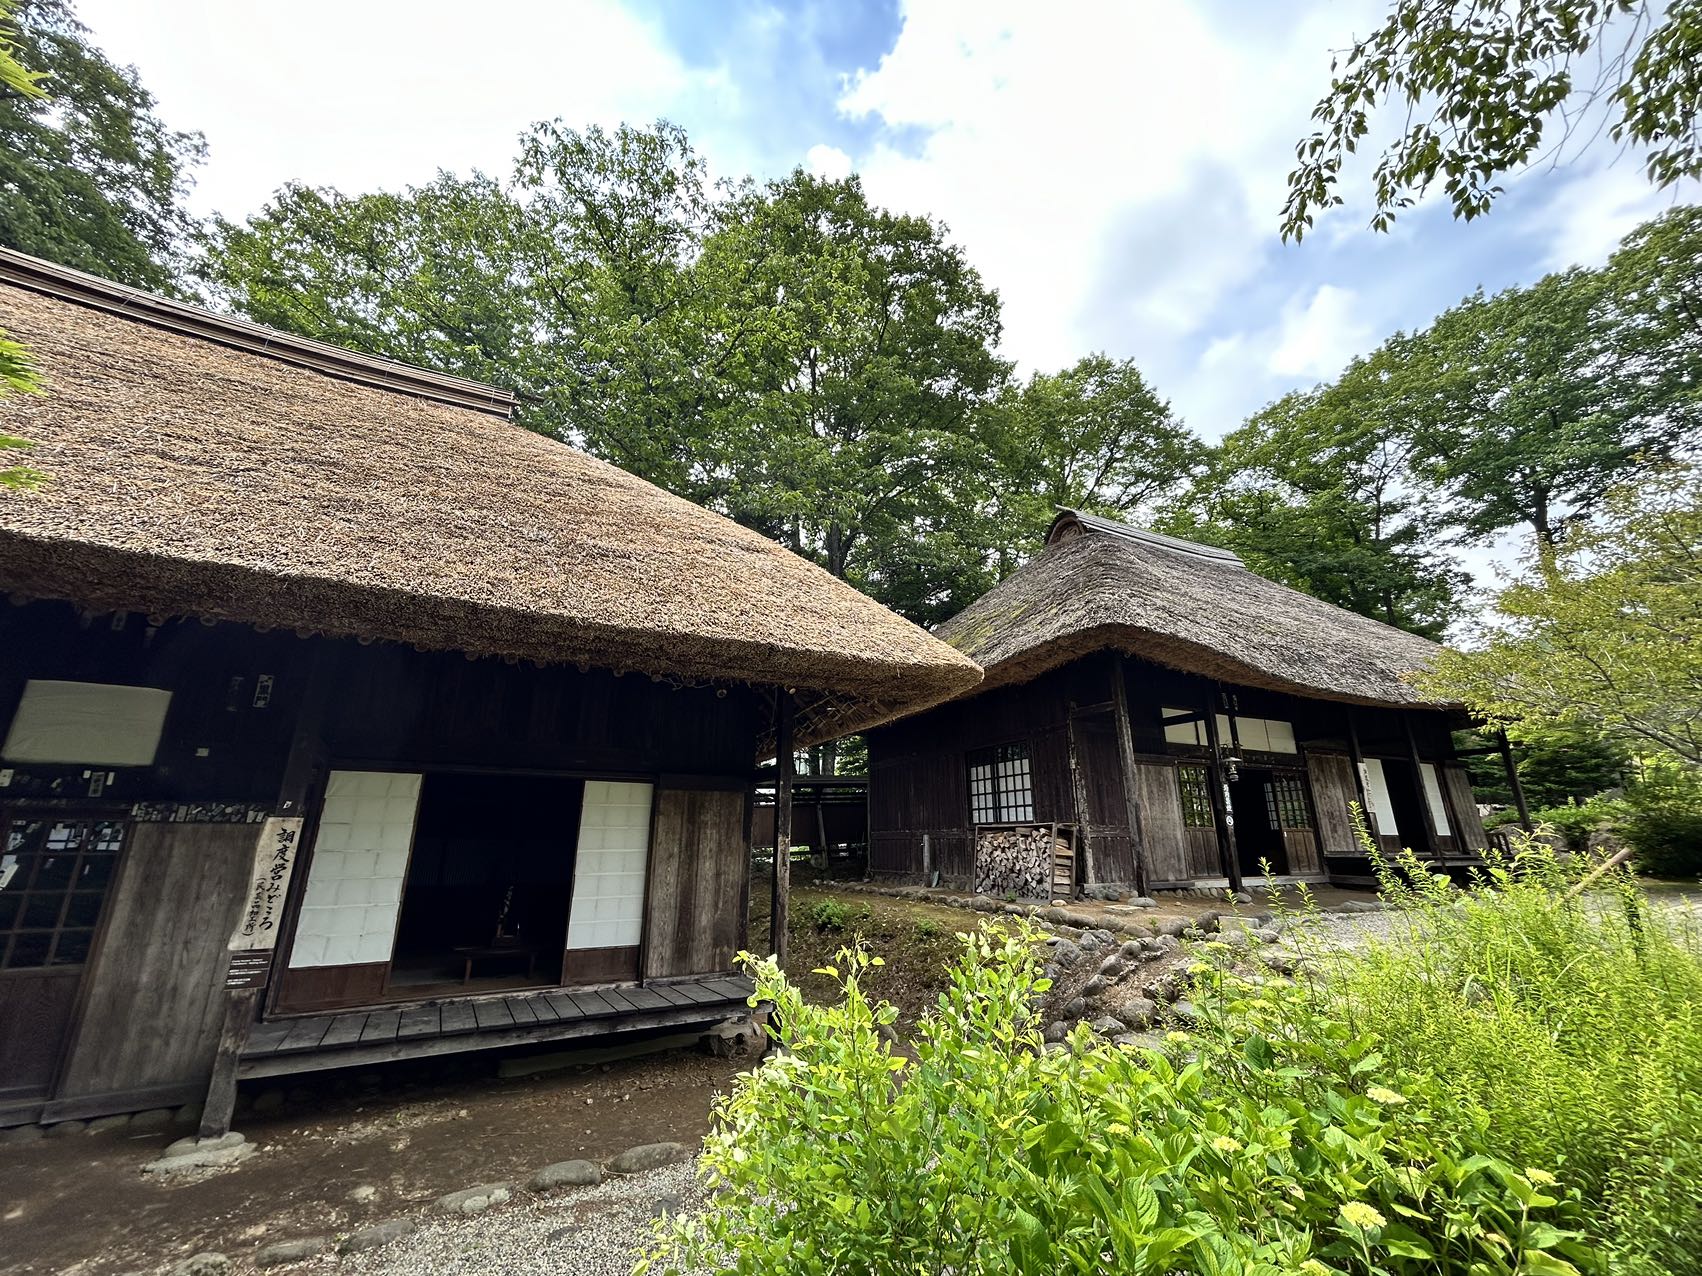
(699, 867)
(1333, 794)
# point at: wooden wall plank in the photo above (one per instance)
(1166, 841)
(1468, 824)
(154, 1001)
(1333, 791)
(699, 866)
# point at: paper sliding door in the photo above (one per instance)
(605, 922)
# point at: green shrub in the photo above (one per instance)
(1663, 823)
(828, 914)
(1277, 1138)
(1568, 1030)
(928, 928)
(1576, 821)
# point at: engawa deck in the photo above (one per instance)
(384, 1034)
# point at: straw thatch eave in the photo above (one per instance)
(191, 476)
(1100, 586)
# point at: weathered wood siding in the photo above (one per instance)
(1468, 824)
(1163, 835)
(154, 995)
(698, 879)
(1333, 795)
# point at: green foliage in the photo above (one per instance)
(1568, 1029)
(17, 374)
(1604, 633)
(1317, 491)
(828, 914)
(1095, 436)
(1479, 82)
(1576, 821)
(1556, 766)
(90, 176)
(1661, 820)
(1279, 1138)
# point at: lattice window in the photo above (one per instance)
(1196, 796)
(1001, 785)
(1285, 803)
(53, 879)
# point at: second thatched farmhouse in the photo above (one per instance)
(343, 720)
(1156, 715)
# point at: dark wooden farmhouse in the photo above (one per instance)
(342, 720)
(1156, 715)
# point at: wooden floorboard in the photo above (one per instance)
(306, 1034)
(421, 1021)
(381, 1025)
(344, 1030)
(320, 1041)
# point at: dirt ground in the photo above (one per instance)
(81, 1204)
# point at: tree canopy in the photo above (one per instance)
(1604, 634)
(1469, 90)
(90, 176)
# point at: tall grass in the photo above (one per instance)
(1566, 1026)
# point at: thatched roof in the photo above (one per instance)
(1102, 585)
(204, 466)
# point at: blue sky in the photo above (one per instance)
(1115, 170)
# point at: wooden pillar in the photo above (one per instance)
(1358, 757)
(1513, 782)
(1085, 871)
(1427, 824)
(781, 892)
(1223, 814)
(242, 1005)
(1126, 745)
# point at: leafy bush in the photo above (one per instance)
(1575, 821)
(1567, 1031)
(1277, 1138)
(1663, 822)
(928, 928)
(828, 914)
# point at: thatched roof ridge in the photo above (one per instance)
(1103, 585)
(192, 472)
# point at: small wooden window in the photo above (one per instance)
(1285, 803)
(1196, 796)
(1001, 785)
(53, 880)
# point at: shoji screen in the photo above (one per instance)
(1377, 794)
(1433, 799)
(360, 858)
(608, 875)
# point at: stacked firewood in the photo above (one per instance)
(1014, 862)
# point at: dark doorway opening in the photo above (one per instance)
(489, 883)
(1258, 833)
(1408, 802)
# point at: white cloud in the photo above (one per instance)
(827, 161)
(1116, 170)
(1316, 339)
(1593, 210)
(380, 92)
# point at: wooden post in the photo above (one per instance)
(1126, 746)
(781, 893)
(1078, 789)
(1358, 756)
(1513, 782)
(1427, 823)
(1223, 814)
(242, 1005)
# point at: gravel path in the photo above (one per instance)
(593, 1231)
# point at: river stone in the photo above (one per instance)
(152, 1119)
(22, 1134)
(1164, 945)
(100, 1125)
(208, 1264)
(1057, 1030)
(648, 1156)
(62, 1128)
(280, 1252)
(391, 1229)
(1106, 1026)
(473, 1200)
(1093, 987)
(1173, 926)
(1265, 934)
(566, 1174)
(1138, 1013)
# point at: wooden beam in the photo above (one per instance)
(780, 897)
(1223, 815)
(1513, 781)
(1358, 757)
(1126, 746)
(1426, 823)
(1078, 788)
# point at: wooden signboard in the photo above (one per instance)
(262, 916)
